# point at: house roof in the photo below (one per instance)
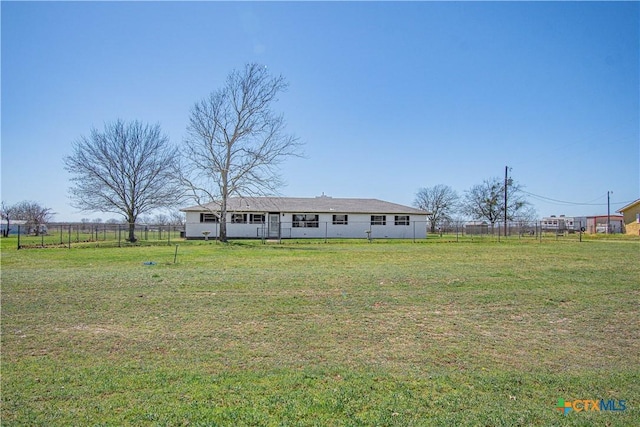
(321, 204)
(629, 206)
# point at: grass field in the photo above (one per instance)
(308, 333)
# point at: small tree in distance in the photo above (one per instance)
(7, 211)
(440, 202)
(125, 169)
(34, 214)
(486, 201)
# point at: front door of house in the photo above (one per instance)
(274, 225)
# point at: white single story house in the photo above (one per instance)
(312, 217)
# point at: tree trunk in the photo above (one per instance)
(225, 195)
(132, 229)
(223, 220)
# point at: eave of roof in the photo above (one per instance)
(629, 206)
(321, 204)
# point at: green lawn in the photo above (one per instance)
(308, 333)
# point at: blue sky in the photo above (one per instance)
(388, 97)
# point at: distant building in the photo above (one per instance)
(20, 226)
(631, 217)
(598, 224)
(476, 227)
(15, 226)
(563, 223)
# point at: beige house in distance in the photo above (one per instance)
(631, 214)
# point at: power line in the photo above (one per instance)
(549, 199)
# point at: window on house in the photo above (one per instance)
(237, 218)
(378, 220)
(256, 218)
(340, 219)
(402, 220)
(209, 217)
(305, 220)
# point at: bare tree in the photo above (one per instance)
(125, 169)
(176, 217)
(486, 201)
(6, 212)
(35, 215)
(160, 219)
(235, 141)
(440, 201)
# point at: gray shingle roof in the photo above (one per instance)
(308, 205)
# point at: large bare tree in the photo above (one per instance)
(125, 169)
(235, 141)
(440, 201)
(486, 201)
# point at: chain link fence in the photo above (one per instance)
(117, 235)
(393, 230)
(517, 230)
(106, 235)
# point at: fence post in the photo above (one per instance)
(540, 224)
(18, 236)
(69, 236)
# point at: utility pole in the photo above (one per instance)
(609, 212)
(506, 183)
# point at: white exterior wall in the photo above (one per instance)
(194, 228)
(357, 226)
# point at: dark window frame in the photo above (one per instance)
(344, 220)
(305, 221)
(402, 220)
(209, 217)
(238, 218)
(378, 220)
(257, 218)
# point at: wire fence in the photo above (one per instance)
(117, 235)
(398, 229)
(107, 235)
(535, 230)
